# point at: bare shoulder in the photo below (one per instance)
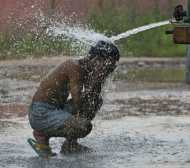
(70, 63)
(72, 67)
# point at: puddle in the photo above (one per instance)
(132, 142)
(140, 128)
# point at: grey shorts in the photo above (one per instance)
(46, 117)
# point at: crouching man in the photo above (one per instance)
(52, 114)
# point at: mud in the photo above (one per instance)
(140, 125)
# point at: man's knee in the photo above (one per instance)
(85, 129)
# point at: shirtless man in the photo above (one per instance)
(52, 114)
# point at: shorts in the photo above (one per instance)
(46, 117)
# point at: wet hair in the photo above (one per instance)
(105, 50)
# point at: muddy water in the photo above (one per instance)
(139, 125)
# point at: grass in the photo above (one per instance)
(27, 45)
(154, 75)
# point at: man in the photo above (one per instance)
(51, 114)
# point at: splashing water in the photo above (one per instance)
(80, 37)
(107, 85)
(88, 37)
(137, 30)
(84, 35)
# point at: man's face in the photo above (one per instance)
(109, 64)
(97, 61)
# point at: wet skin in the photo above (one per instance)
(72, 76)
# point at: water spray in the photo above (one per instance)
(181, 34)
(137, 30)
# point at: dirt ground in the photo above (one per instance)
(141, 124)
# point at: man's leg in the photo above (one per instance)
(73, 127)
(79, 127)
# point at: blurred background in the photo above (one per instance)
(24, 26)
(145, 117)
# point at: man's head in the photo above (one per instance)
(106, 50)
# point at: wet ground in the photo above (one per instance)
(141, 124)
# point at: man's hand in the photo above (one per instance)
(103, 69)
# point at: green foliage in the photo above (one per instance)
(154, 75)
(110, 18)
(24, 45)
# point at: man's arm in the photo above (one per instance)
(79, 97)
(76, 87)
(91, 91)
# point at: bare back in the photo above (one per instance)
(56, 86)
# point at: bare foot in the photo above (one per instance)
(73, 146)
(42, 138)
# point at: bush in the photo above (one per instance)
(106, 17)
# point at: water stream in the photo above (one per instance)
(137, 30)
(88, 37)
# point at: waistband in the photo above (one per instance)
(42, 104)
